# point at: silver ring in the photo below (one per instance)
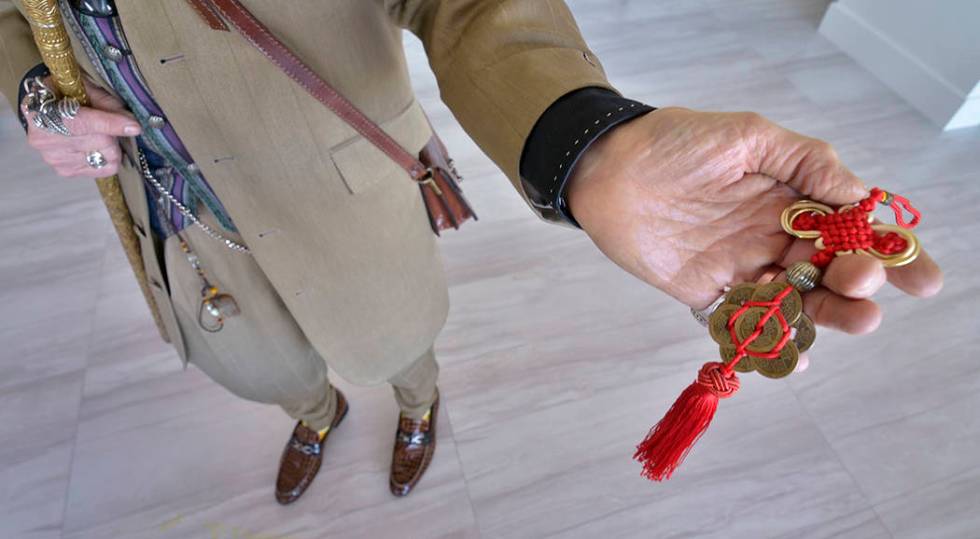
(68, 108)
(48, 111)
(49, 119)
(96, 160)
(701, 316)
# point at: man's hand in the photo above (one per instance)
(690, 202)
(93, 129)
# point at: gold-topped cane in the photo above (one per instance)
(52, 41)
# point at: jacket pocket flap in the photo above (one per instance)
(362, 165)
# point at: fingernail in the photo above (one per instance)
(132, 130)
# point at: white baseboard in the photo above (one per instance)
(917, 83)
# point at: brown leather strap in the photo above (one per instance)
(260, 36)
(204, 9)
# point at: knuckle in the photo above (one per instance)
(753, 120)
(91, 127)
(112, 152)
(103, 141)
(86, 123)
(825, 150)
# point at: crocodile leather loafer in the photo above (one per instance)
(415, 443)
(302, 457)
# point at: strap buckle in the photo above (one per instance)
(429, 179)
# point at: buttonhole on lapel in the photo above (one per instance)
(299, 293)
(226, 158)
(268, 232)
(587, 59)
(173, 58)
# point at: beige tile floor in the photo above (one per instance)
(554, 361)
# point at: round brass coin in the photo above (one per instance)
(806, 333)
(781, 366)
(740, 293)
(792, 304)
(771, 331)
(746, 364)
(718, 324)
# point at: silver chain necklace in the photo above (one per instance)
(211, 233)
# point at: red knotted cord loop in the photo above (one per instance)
(900, 218)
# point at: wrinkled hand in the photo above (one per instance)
(690, 202)
(95, 128)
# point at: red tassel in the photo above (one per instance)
(670, 440)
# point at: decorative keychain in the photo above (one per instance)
(762, 327)
(215, 306)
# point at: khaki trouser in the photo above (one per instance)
(261, 354)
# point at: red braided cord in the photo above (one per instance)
(772, 309)
(849, 230)
(899, 218)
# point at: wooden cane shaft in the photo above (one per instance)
(53, 43)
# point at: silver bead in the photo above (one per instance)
(193, 168)
(804, 276)
(156, 122)
(112, 53)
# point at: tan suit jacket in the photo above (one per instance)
(337, 227)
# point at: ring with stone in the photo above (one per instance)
(96, 160)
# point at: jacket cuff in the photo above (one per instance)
(561, 135)
(40, 70)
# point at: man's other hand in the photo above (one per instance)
(95, 128)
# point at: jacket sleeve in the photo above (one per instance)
(500, 64)
(18, 54)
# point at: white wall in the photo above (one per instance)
(928, 51)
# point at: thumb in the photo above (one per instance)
(808, 165)
(91, 121)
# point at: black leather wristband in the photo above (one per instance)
(561, 135)
(40, 70)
